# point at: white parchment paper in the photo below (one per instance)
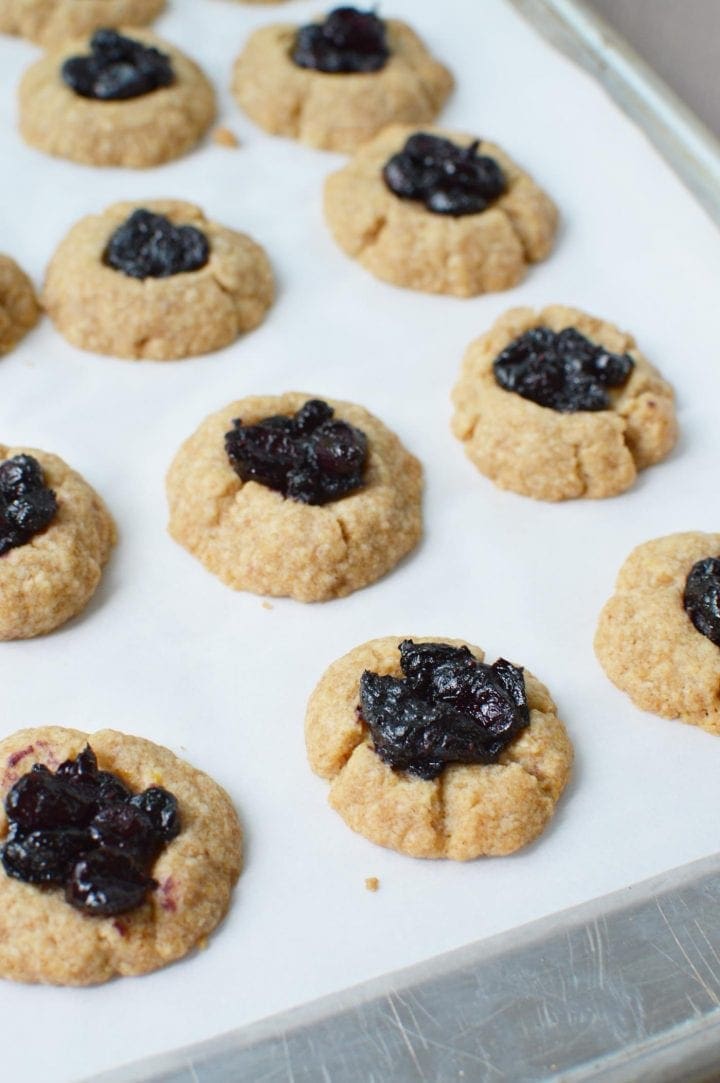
(166, 651)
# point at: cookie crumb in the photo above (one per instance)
(224, 137)
(372, 883)
(267, 605)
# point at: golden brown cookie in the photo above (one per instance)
(51, 578)
(49, 22)
(646, 642)
(44, 939)
(255, 539)
(19, 309)
(466, 812)
(337, 111)
(99, 308)
(549, 455)
(137, 132)
(400, 241)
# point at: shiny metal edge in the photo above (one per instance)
(620, 989)
(683, 140)
(623, 988)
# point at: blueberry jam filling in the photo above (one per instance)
(83, 829)
(149, 246)
(308, 457)
(27, 506)
(117, 68)
(348, 41)
(449, 708)
(561, 369)
(446, 178)
(701, 598)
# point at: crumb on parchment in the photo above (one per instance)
(225, 137)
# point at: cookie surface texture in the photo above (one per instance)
(255, 539)
(138, 132)
(51, 578)
(548, 455)
(647, 643)
(44, 939)
(19, 310)
(104, 310)
(469, 810)
(50, 22)
(401, 242)
(337, 112)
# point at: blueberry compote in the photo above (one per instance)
(449, 708)
(27, 506)
(446, 178)
(701, 597)
(309, 457)
(117, 68)
(348, 41)
(148, 245)
(83, 829)
(561, 369)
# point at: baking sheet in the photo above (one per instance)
(167, 652)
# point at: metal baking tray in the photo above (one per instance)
(622, 987)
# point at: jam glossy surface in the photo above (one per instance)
(446, 178)
(309, 457)
(117, 68)
(562, 370)
(83, 829)
(447, 708)
(347, 41)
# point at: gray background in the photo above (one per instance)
(681, 40)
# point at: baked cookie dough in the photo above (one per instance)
(51, 578)
(646, 641)
(137, 132)
(19, 309)
(469, 810)
(547, 454)
(160, 318)
(44, 939)
(400, 241)
(337, 111)
(49, 22)
(253, 538)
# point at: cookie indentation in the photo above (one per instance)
(148, 245)
(561, 370)
(117, 68)
(83, 829)
(449, 708)
(347, 41)
(446, 178)
(307, 457)
(701, 598)
(27, 505)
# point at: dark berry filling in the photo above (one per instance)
(702, 597)
(117, 68)
(308, 457)
(27, 506)
(449, 708)
(149, 246)
(348, 41)
(446, 178)
(561, 369)
(83, 829)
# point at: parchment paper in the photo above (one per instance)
(167, 652)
